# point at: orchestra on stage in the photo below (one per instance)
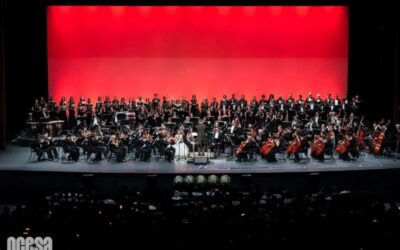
(234, 128)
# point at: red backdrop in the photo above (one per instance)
(209, 51)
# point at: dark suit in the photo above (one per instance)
(201, 137)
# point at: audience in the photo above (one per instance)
(203, 213)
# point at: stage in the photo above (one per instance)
(16, 158)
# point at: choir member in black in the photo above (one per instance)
(310, 105)
(344, 106)
(204, 108)
(123, 106)
(214, 108)
(271, 102)
(280, 104)
(81, 106)
(262, 103)
(233, 105)
(184, 108)
(115, 104)
(194, 107)
(43, 102)
(139, 102)
(242, 103)
(155, 103)
(165, 103)
(70, 148)
(301, 111)
(217, 141)
(71, 112)
(99, 106)
(290, 106)
(337, 103)
(52, 107)
(89, 112)
(63, 111)
(253, 105)
(131, 105)
(224, 105)
(201, 137)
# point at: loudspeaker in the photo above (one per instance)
(200, 160)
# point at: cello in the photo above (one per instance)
(318, 146)
(294, 146)
(343, 146)
(267, 147)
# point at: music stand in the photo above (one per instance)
(176, 120)
(195, 120)
(106, 117)
(171, 125)
(210, 119)
(188, 125)
(221, 124)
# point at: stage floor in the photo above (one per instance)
(16, 158)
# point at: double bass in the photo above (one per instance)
(360, 136)
(377, 140)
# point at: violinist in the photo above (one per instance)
(169, 150)
(94, 146)
(45, 145)
(117, 147)
(70, 148)
(145, 147)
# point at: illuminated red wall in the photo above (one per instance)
(210, 51)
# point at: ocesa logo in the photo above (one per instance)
(29, 243)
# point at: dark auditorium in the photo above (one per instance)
(199, 124)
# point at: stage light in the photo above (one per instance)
(189, 179)
(178, 179)
(200, 179)
(212, 179)
(225, 179)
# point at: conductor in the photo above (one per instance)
(201, 137)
